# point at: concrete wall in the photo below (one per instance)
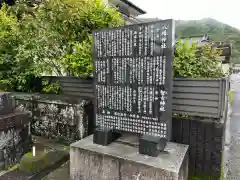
(105, 2)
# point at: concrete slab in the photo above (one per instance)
(120, 161)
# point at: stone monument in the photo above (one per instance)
(133, 94)
(14, 131)
(133, 84)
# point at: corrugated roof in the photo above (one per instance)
(134, 6)
(146, 20)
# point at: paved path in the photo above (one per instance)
(61, 173)
(234, 165)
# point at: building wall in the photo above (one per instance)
(105, 2)
(129, 19)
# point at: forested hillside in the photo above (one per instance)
(218, 32)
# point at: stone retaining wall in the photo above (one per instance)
(58, 117)
(206, 140)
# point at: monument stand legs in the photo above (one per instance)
(148, 144)
(151, 145)
(104, 136)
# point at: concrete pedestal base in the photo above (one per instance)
(118, 161)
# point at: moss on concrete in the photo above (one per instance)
(33, 164)
(11, 168)
(201, 178)
(231, 97)
(66, 148)
(209, 177)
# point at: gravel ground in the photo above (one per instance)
(234, 165)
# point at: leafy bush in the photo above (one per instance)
(57, 37)
(15, 75)
(51, 88)
(52, 38)
(79, 62)
(196, 61)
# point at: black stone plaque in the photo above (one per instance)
(133, 78)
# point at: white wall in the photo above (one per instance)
(105, 2)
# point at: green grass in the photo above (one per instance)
(11, 168)
(201, 178)
(207, 177)
(231, 96)
(66, 148)
(38, 154)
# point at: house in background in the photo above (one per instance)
(128, 10)
(225, 47)
(146, 20)
(199, 40)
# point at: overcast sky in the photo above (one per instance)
(221, 10)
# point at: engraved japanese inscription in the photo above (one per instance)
(133, 77)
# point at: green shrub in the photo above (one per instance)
(14, 75)
(58, 36)
(195, 61)
(51, 88)
(52, 38)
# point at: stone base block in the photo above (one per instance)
(89, 161)
(151, 145)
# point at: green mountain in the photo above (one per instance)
(218, 32)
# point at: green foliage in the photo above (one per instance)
(231, 96)
(79, 62)
(57, 36)
(218, 32)
(15, 75)
(51, 88)
(52, 38)
(194, 61)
